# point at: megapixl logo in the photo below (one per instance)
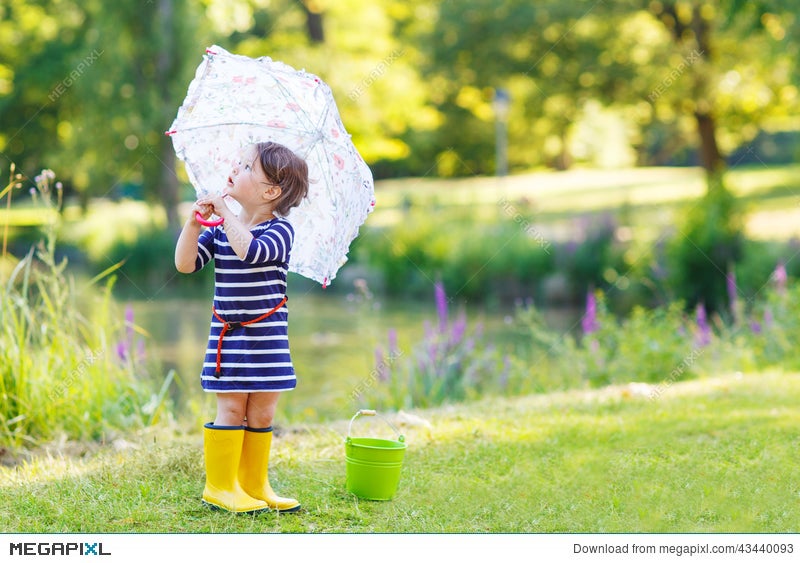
(55, 548)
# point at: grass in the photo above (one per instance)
(715, 455)
(67, 361)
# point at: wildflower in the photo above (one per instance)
(122, 350)
(779, 276)
(394, 349)
(441, 305)
(733, 294)
(129, 321)
(459, 328)
(768, 319)
(704, 330)
(125, 347)
(755, 326)
(589, 322)
(380, 364)
(503, 379)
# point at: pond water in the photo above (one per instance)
(333, 338)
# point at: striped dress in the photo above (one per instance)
(254, 357)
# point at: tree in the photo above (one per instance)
(661, 63)
(93, 98)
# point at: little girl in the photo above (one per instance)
(247, 362)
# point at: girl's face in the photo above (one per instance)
(247, 180)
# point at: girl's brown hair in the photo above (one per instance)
(284, 168)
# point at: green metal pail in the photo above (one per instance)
(373, 464)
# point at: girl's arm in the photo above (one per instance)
(186, 247)
(239, 237)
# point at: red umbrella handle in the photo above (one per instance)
(202, 221)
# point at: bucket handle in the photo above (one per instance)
(372, 412)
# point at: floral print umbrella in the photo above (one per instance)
(235, 101)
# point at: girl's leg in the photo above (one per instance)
(254, 467)
(231, 409)
(223, 443)
(261, 409)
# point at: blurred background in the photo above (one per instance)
(539, 166)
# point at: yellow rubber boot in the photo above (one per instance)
(222, 446)
(254, 470)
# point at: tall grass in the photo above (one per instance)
(61, 368)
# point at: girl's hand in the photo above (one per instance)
(217, 205)
(204, 209)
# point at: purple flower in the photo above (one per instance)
(125, 346)
(122, 350)
(428, 330)
(394, 349)
(503, 380)
(730, 280)
(589, 322)
(704, 330)
(380, 364)
(755, 326)
(441, 305)
(768, 319)
(458, 329)
(779, 275)
(129, 321)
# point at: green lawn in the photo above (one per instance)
(715, 455)
(652, 198)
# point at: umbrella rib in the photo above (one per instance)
(289, 96)
(234, 123)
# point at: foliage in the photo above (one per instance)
(500, 261)
(147, 265)
(415, 79)
(63, 370)
(663, 67)
(104, 80)
(704, 250)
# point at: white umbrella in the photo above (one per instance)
(235, 101)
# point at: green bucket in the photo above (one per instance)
(373, 464)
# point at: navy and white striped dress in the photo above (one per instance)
(254, 357)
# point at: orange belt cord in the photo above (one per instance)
(226, 326)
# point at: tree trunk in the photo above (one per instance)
(170, 187)
(710, 157)
(314, 22)
(165, 65)
(697, 29)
